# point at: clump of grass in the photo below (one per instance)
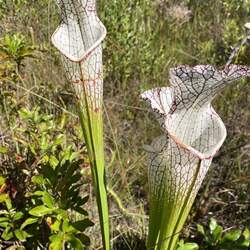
(128, 241)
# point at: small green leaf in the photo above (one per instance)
(3, 150)
(67, 227)
(246, 234)
(24, 113)
(188, 246)
(82, 224)
(7, 234)
(4, 224)
(61, 212)
(200, 229)
(56, 226)
(217, 233)
(181, 243)
(84, 239)
(80, 210)
(18, 216)
(38, 180)
(2, 219)
(57, 242)
(53, 161)
(212, 224)
(4, 197)
(2, 180)
(74, 242)
(49, 173)
(27, 222)
(59, 140)
(40, 211)
(233, 235)
(74, 156)
(39, 193)
(83, 200)
(8, 204)
(48, 200)
(21, 235)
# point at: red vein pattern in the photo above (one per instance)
(193, 133)
(79, 38)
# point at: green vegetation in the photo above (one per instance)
(42, 188)
(39, 129)
(216, 238)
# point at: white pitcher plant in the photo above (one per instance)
(180, 159)
(79, 38)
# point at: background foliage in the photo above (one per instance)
(39, 133)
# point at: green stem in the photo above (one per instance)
(94, 142)
(92, 125)
(184, 210)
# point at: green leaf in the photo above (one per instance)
(2, 180)
(8, 204)
(82, 224)
(48, 200)
(49, 173)
(74, 242)
(56, 226)
(7, 234)
(181, 243)
(246, 234)
(81, 211)
(2, 219)
(3, 150)
(74, 156)
(40, 211)
(84, 239)
(67, 227)
(21, 235)
(39, 193)
(217, 233)
(200, 229)
(188, 246)
(212, 225)
(38, 180)
(59, 140)
(27, 222)
(53, 161)
(61, 212)
(233, 235)
(57, 242)
(24, 113)
(4, 197)
(18, 216)
(5, 224)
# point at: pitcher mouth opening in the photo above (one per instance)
(67, 47)
(199, 153)
(211, 129)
